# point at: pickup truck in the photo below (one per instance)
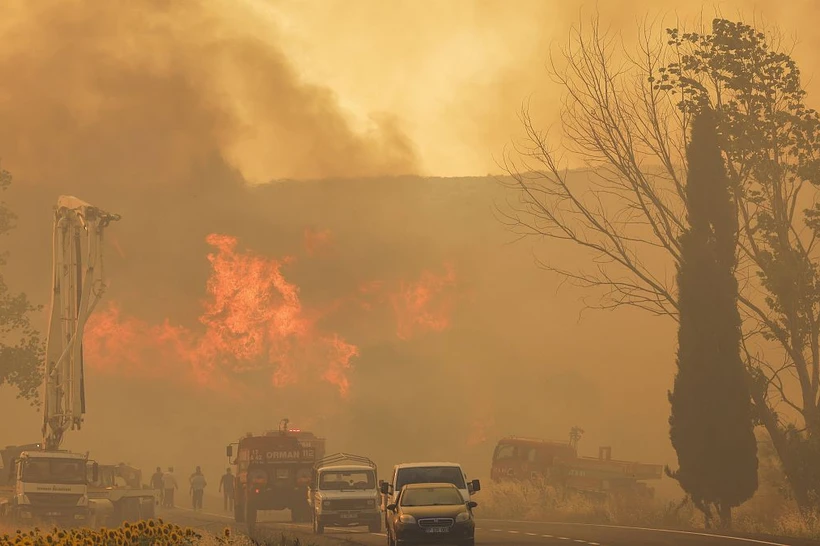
(345, 495)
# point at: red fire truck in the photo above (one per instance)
(558, 464)
(273, 471)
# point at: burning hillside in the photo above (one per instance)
(253, 320)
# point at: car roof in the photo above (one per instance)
(433, 485)
(425, 465)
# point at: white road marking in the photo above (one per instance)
(513, 532)
(672, 531)
(532, 534)
(581, 541)
(593, 544)
(547, 536)
(562, 538)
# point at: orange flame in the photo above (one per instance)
(253, 320)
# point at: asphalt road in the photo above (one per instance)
(500, 533)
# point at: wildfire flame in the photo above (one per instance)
(254, 321)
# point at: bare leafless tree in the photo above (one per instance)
(624, 118)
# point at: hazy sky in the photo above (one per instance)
(455, 72)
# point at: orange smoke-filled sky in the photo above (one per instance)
(286, 89)
(455, 73)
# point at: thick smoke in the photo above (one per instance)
(152, 92)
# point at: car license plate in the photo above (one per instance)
(437, 529)
(348, 516)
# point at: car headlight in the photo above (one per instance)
(407, 518)
(371, 503)
(464, 516)
(326, 504)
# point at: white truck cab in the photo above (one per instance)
(49, 485)
(431, 472)
(344, 495)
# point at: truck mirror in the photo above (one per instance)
(391, 507)
(476, 485)
(472, 504)
(385, 488)
(229, 451)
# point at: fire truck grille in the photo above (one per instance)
(53, 499)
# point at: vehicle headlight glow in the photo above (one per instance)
(407, 518)
(464, 516)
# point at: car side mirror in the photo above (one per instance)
(472, 504)
(391, 507)
(229, 451)
(384, 487)
(476, 486)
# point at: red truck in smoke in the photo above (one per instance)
(558, 464)
(273, 471)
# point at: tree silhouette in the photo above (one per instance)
(21, 347)
(711, 424)
(627, 119)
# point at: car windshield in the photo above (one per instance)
(337, 480)
(430, 474)
(431, 496)
(63, 471)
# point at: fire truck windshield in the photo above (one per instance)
(60, 471)
(430, 474)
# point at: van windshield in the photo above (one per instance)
(338, 480)
(430, 474)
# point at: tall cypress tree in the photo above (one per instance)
(711, 425)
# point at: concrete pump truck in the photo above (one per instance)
(41, 481)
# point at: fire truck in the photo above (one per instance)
(273, 472)
(558, 464)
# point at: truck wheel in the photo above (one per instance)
(301, 513)
(238, 508)
(250, 517)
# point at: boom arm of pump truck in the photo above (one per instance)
(77, 285)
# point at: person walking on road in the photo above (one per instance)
(226, 486)
(169, 483)
(157, 486)
(198, 484)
